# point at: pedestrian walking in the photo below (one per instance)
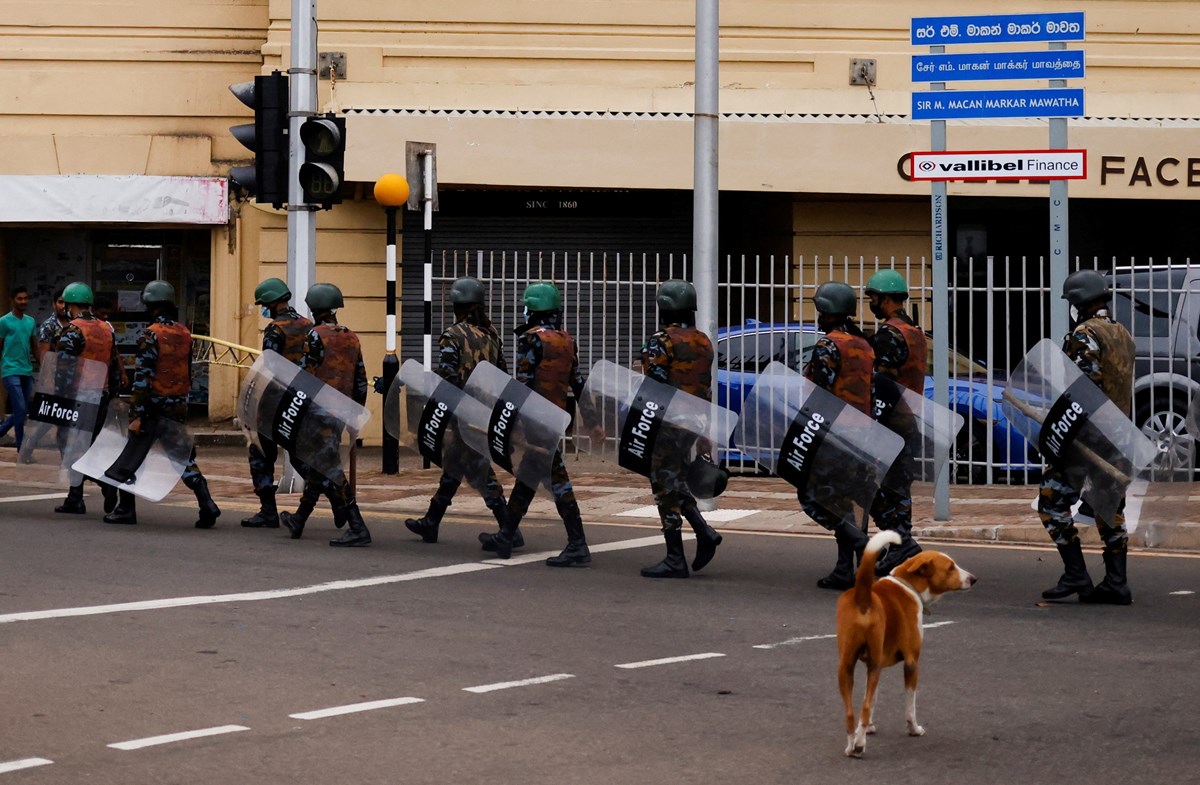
(285, 335)
(18, 347)
(53, 325)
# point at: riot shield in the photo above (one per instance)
(816, 441)
(441, 422)
(659, 432)
(147, 464)
(927, 428)
(63, 415)
(300, 413)
(1078, 429)
(523, 429)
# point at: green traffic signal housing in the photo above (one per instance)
(267, 137)
(322, 174)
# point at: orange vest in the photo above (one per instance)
(342, 351)
(853, 382)
(97, 342)
(172, 374)
(912, 373)
(691, 361)
(294, 332)
(552, 376)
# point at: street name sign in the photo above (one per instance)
(996, 29)
(977, 104)
(978, 66)
(978, 165)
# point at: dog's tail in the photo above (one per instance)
(864, 579)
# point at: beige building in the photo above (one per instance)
(559, 126)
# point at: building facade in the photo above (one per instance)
(560, 127)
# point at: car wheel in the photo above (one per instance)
(1162, 418)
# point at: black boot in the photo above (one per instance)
(506, 539)
(110, 497)
(427, 527)
(209, 512)
(675, 564)
(1075, 578)
(576, 554)
(73, 504)
(518, 505)
(294, 521)
(356, 535)
(267, 516)
(851, 541)
(897, 555)
(707, 538)
(125, 511)
(1114, 589)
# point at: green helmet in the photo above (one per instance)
(676, 295)
(158, 293)
(467, 291)
(542, 296)
(78, 293)
(887, 282)
(1084, 286)
(270, 291)
(835, 298)
(324, 297)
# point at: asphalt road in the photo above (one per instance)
(1011, 692)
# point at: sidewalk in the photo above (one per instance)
(607, 493)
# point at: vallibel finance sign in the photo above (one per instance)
(999, 165)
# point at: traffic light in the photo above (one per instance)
(267, 136)
(322, 173)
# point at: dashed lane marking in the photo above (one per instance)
(35, 498)
(669, 660)
(1181, 593)
(171, 738)
(24, 763)
(354, 708)
(607, 547)
(806, 638)
(711, 515)
(508, 685)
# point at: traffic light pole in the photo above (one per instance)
(302, 104)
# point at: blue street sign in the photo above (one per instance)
(996, 29)
(962, 104)
(1057, 64)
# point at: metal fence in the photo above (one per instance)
(999, 308)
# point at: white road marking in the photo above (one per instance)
(171, 738)
(1181, 593)
(710, 515)
(251, 596)
(621, 545)
(793, 641)
(669, 660)
(639, 512)
(352, 708)
(24, 763)
(36, 498)
(506, 685)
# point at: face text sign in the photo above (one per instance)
(999, 165)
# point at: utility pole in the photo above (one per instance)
(302, 104)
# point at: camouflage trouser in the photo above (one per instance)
(892, 507)
(323, 441)
(813, 508)
(262, 463)
(560, 486)
(475, 469)
(671, 500)
(1057, 494)
(174, 408)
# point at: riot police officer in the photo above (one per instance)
(1104, 351)
(679, 355)
(285, 335)
(463, 345)
(332, 353)
(901, 355)
(548, 363)
(161, 384)
(841, 362)
(87, 338)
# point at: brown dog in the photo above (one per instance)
(880, 624)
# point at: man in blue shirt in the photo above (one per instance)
(17, 346)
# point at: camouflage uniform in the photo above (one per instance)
(548, 363)
(285, 335)
(900, 351)
(333, 354)
(49, 331)
(1104, 351)
(842, 364)
(681, 356)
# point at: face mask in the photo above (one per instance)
(266, 312)
(525, 315)
(877, 310)
(1074, 312)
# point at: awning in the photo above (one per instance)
(109, 199)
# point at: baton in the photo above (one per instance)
(1113, 472)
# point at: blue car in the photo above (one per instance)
(987, 438)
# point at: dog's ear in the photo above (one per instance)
(925, 570)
